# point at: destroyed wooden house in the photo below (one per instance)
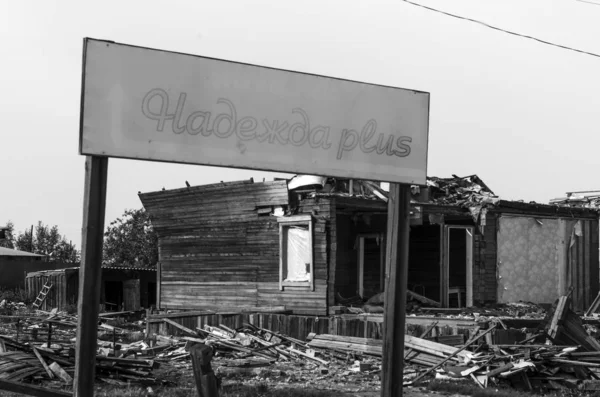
(308, 243)
(123, 288)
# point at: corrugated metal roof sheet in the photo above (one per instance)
(11, 252)
(128, 268)
(103, 267)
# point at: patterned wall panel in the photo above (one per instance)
(528, 259)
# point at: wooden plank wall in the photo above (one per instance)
(62, 293)
(583, 265)
(300, 326)
(332, 254)
(218, 251)
(485, 254)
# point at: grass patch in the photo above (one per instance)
(469, 389)
(263, 390)
(260, 390)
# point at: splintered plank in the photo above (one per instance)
(7, 368)
(43, 362)
(558, 316)
(31, 390)
(594, 306)
(22, 373)
(61, 373)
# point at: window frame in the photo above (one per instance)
(303, 220)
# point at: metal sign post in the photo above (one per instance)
(90, 273)
(398, 229)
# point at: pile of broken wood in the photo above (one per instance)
(562, 355)
(39, 348)
(248, 346)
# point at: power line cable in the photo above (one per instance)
(503, 30)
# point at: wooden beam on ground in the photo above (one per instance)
(31, 390)
(423, 335)
(398, 229)
(43, 362)
(90, 273)
(181, 327)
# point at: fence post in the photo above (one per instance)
(206, 381)
(49, 334)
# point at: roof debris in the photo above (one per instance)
(583, 199)
(467, 192)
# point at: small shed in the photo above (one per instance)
(14, 264)
(123, 288)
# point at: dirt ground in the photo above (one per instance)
(284, 378)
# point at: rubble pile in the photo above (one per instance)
(38, 347)
(578, 200)
(418, 305)
(258, 355)
(522, 310)
(468, 191)
(9, 307)
(562, 355)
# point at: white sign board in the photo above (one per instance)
(148, 104)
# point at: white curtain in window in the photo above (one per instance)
(298, 254)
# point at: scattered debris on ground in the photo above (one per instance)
(37, 348)
(561, 356)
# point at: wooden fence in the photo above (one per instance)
(367, 326)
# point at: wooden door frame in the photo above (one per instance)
(360, 241)
(445, 263)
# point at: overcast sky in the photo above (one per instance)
(522, 115)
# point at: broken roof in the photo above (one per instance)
(464, 191)
(11, 252)
(584, 199)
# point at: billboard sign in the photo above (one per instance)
(148, 104)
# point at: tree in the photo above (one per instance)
(24, 241)
(131, 241)
(49, 242)
(9, 236)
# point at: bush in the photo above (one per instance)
(14, 295)
(71, 308)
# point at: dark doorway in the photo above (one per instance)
(458, 266)
(424, 261)
(113, 295)
(151, 294)
(371, 263)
